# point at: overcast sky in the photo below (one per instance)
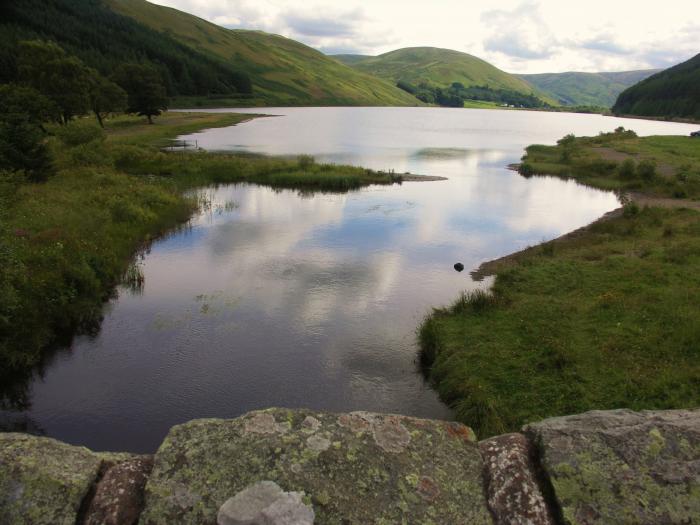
(531, 36)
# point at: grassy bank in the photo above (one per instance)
(660, 165)
(606, 318)
(65, 243)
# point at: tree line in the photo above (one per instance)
(673, 93)
(53, 86)
(457, 93)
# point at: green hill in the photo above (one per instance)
(282, 71)
(586, 89)
(104, 39)
(350, 60)
(672, 93)
(438, 67)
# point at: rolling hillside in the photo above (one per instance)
(103, 40)
(282, 71)
(586, 89)
(672, 93)
(438, 67)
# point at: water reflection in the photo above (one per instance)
(273, 298)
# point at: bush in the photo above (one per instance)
(646, 169)
(306, 161)
(627, 169)
(630, 209)
(80, 132)
(526, 170)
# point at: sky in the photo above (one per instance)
(518, 36)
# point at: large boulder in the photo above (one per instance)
(353, 468)
(623, 467)
(43, 481)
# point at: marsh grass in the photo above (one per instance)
(66, 243)
(667, 166)
(610, 321)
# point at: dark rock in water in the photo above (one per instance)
(459, 267)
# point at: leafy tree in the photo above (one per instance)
(105, 97)
(61, 78)
(145, 90)
(23, 110)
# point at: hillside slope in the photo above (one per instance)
(672, 93)
(282, 71)
(586, 89)
(103, 39)
(439, 67)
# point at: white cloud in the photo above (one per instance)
(521, 36)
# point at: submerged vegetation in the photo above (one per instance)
(66, 240)
(604, 318)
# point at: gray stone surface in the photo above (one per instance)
(514, 496)
(359, 468)
(623, 467)
(289, 509)
(43, 481)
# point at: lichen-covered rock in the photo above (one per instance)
(353, 468)
(43, 481)
(621, 466)
(118, 498)
(514, 495)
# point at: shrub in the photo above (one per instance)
(306, 161)
(646, 169)
(627, 169)
(80, 132)
(630, 209)
(526, 170)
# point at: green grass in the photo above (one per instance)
(481, 104)
(283, 71)
(603, 320)
(598, 162)
(66, 243)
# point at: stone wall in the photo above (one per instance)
(282, 466)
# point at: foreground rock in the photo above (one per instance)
(354, 468)
(623, 467)
(43, 481)
(280, 467)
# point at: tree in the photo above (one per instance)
(61, 78)
(23, 110)
(145, 90)
(105, 97)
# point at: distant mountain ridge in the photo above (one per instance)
(282, 71)
(586, 89)
(672, 93)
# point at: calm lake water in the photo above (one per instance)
(273, 298)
